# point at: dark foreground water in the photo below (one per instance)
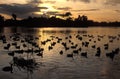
(60, 53)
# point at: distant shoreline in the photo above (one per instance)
(56, 22)
(56, 26)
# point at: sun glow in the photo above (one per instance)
(49, 6)
(13, 1)
(6, 16)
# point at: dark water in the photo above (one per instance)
(35, 53)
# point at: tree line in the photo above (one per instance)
(80, 21)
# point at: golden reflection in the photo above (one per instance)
(46, 33)
(42, 29)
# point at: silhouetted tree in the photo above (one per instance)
(79, 18)
(14, 16)
(80, 21)
(1, 20)
(69, 18)
(29, 18)
(84, 18)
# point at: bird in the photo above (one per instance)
(106, 46)
(8, 68)
(84, 54)
(61, 52)
(110, 55)
(93, 46)
(116, 51)
(75, 51)
(80, 49)
(50, 47)
(98, 52)
(40, 54)
(66, 48)
(70, 55)
(11, 53)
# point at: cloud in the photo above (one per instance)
(51, 2)
(13, 1)
(113, 2)
(34, 2)
(64, 8)
(20, 8)
(52, 12)
(56, 13)
(41, 1)
(86, 10)
(117, 11)
(66, 14)
(85, 1)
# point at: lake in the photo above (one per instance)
(60, 53)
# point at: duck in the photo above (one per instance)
(61, 52)
(84, 54)
(75, 51)
(11, 53)
(70, 55)
(110, 55)
(40, 54)
(8, 68)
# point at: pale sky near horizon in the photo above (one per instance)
(97, 10)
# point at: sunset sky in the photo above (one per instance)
(97, 10)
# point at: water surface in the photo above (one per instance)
(56, 65)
